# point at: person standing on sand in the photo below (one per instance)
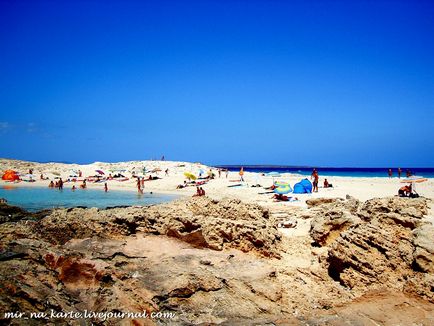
(227, 173)
(241, 173)
(105, 187)
(220, 172)
(315, 178)
(390, 173)
(313, 172)
(399, 173)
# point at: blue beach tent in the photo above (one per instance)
(303, 187)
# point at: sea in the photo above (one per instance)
(38, 198)
(332, 171)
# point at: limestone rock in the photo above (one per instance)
(382, 250)
(200, 221)
(424, 243)
(395, 210)
(186, 257)
(331, 217)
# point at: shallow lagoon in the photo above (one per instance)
(37, 198)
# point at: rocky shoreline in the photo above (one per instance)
(222, 262)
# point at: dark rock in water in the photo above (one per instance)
(6, 210)
(9, 213)
(71, 208)
(119, 206)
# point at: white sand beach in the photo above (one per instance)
(218, 188)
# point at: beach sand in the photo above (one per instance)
(221, 187)
(361, 188)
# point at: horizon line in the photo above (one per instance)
(240, 165)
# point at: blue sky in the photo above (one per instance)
(324, 83)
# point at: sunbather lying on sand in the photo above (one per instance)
(182, 186)
(150, 178)
(280, 197)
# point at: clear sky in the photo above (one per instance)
(325, 83)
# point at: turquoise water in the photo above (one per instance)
(342, 172)
(36, 198)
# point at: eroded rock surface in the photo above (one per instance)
(223, 263)
(382, 242)
(200, 221)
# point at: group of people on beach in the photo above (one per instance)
(140, 183)
(58, 184)
(199, 192)
(408, 173)
(315, 177)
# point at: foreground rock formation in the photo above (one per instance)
(210, 262)
(382, 242)
(201, 222)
